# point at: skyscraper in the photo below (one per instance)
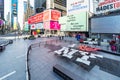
(39, 4)
(2, 9)
(25, 6)
(14, 13)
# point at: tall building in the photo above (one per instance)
(29, 11)
(2, 9)
(14, 14)
(57, 4)
(25, 6)
(39, 4)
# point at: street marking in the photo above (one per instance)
(7, 75)
(21, 56)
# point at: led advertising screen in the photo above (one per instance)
(77, 22)
(55, 15)
(54, 25)
(36, 18)
(109, 24)
(76, 6)
(51, 15)
(46, 15)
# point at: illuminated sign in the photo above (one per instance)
(36, 18)
(54, 25)
(77, 22)
(75, 6)
(51, 15)
(46, 15)
(107, 5)
(55, 15)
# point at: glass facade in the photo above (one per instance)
(39, 3)
(2, 9)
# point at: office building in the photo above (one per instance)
(2, 9)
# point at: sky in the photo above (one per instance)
(20, 9)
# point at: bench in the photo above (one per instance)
(64, 73)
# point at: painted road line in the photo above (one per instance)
(7, 75)
(21, 56)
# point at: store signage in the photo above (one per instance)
(75, 6)
(108, 5)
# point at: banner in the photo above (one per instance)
(107, 6)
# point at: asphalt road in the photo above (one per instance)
(13, 61)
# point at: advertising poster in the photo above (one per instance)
(76, 6)
(54, 25)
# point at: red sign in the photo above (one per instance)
(55, 15)
(36, 18)
(88, 48)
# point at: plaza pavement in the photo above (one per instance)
(42, 59)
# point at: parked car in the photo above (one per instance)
(2, 47)
(10, 41)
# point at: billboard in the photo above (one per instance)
(107, 6)
(63, 23)
(36, 18)
(51, 15)
(55, 15)
(109, 24)
(76, 6)
(52, 25)
(46, 15)
(15, 23)
(75, 22)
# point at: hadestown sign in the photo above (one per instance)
(107, 6)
